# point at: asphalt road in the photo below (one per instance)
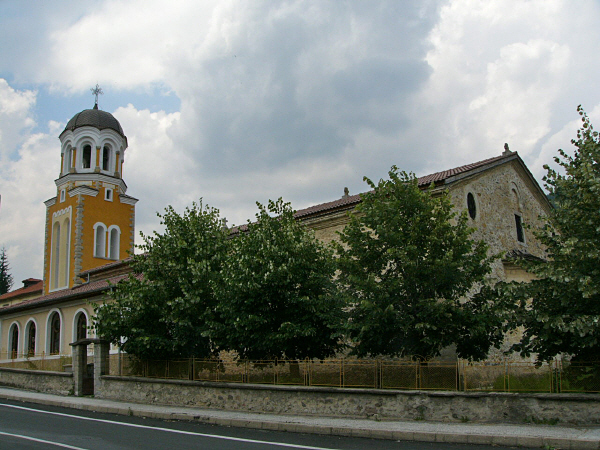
(32, 426)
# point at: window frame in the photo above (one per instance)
(100, 230)
(519, 228)
(54, 336)
(83, 157)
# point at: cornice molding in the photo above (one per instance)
(128, 200)
(91, 176)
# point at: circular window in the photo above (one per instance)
(472, 208)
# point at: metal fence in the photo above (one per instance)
(496, 376)
(491, 375)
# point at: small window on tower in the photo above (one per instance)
(108, 196)
(63, 195)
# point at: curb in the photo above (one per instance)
(139, 410)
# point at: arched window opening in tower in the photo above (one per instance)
(113, 250)
(55, 254)
(65, 252)
(87, 156)
(67, 163)
(100, 245)
(106, 158)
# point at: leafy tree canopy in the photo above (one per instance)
(560, 311)
(407, 266)
(277, 296)
(6, 279)
(167, 309)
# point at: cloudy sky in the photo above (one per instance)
(238, 102)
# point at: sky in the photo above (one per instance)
(236, 102)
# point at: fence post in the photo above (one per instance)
(79, 359)
(306, 372)
(101, 363)
(557, 376)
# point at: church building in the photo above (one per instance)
(90, 229)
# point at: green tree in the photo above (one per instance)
(560, 310)
(277, 296)
(6, 279)
(410, 272)
(166, 308)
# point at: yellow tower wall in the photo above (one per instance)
(83, 210)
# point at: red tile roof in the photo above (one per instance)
(436, 178)
(31, 286)
(58, 296)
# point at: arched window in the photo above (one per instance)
(14, 341)
(30, 332)
(114, 238)
(100, 240)
(54, 334)
(81, 327)
(67, 230)
(86, 157)
(67, 161)
(106, 158)
(55, 254)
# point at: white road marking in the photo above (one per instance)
(29, 438)
(190, 433)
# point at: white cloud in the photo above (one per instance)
(26, 180)
(502, 71)
(298, 98)
(15, 118)
(132, 43)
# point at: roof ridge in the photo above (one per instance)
(421, 181)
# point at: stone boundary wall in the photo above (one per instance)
(60, 383)
(358, 403)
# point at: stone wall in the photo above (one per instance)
(38, 380)
(361, 403)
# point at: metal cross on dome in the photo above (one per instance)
(96, 91)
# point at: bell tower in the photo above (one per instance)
(91, 220)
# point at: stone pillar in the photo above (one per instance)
(79, 353)
(101, 363)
